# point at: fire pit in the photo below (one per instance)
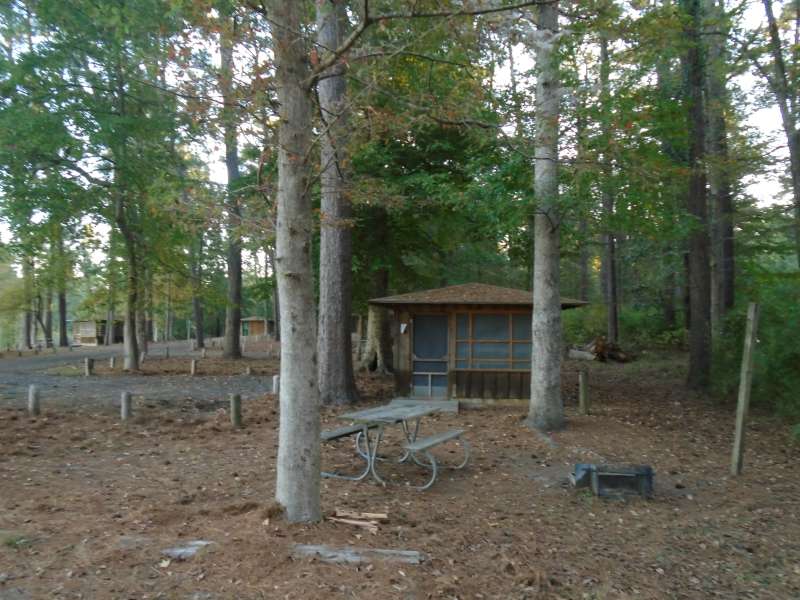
(614, 480)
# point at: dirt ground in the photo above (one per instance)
(87, 505)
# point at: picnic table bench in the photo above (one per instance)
(415, 448)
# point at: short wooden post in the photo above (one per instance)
(193, 367)
(142, 356)
(112, 362)
(276, 384)
(248, 371)
(88, 366)
(745, 384)
(192, 345)
(583, 392)
(236, 410)
(125, 406)
(33, 401)
(166, 352)
(203, 353)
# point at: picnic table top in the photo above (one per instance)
(390, 413)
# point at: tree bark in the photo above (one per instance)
(197, 293)
(27, 286)
(699, 265)
(722, 272)
(546, 409)
(334, 343)
(610, 244)
(781, 87)
(232, 347)
(61, 291)
(298, 474)
(130, 342)
(374, 359)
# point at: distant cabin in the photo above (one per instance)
(470, 341)
(93, 332)
(257, 326)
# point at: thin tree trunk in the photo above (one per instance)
(276, 298)
(48, 317)
(298, 472)
(61, 292)
(722, 272)
(610, 249)
(699, 266)
(546, 409)
(233, 314)
(28, 318)
(130, 342)
(197, 293)
(334, 343)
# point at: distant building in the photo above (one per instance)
(257, 326)
(93, 332)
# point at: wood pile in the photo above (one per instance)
(602, 350)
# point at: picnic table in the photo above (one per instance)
(416, 449)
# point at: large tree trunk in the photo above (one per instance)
(785, 95)
(699, 266)
(334, 346)
(374, 358)
(232, 347)
(722, 272)
(610, 246)
(298, 478)
(546, 409)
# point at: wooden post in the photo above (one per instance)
(236, 410)
(112, 362)
(193, 367)
(125, 406)
(583, 392)
(248, 371)
(203, 353)
(33, 401)
(142, 356)
(166, 352)
(745, 384)
(88, 366)
(276, 384)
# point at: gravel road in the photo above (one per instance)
(16, 374)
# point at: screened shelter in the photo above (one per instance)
(463, 341)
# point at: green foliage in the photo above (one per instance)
(776, 377)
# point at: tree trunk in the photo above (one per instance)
(699, 266)
(374, 358)
(27, 318)
(610, 246)
(61, 282)
(298, 473)
(130, 342)
(276, 298)
(48, 317)
(722, 272)
(784, 93)
(334, 343)
(232, 347)
(546, 409)
(197, 293)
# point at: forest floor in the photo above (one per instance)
(87, 505)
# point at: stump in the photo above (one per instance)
(112, 362)
(193, 367)
(276, 384)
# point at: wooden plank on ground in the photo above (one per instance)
(351, 555)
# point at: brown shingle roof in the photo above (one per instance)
(470, 293)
